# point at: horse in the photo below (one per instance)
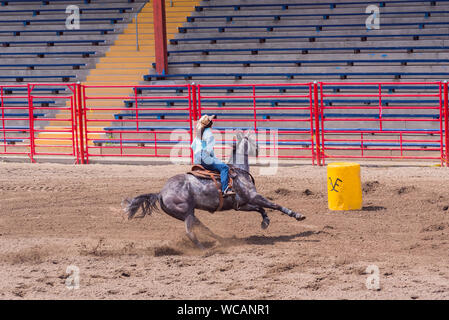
(183, 193)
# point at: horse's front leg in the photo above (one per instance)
(265, 220)
(261, 201)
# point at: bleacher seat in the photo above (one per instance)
(247, 41)
(37, 47)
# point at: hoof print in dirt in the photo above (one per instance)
(282, 191)
(405, 190)
(370, 186)
(307, 192)
(166, 251)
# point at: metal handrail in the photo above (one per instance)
(137, 26)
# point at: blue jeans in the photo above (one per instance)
(217, 165)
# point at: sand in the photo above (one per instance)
(53, 216)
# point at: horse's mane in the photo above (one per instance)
(241, 171)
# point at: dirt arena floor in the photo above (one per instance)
(53, 216)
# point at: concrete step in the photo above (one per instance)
(108, 70)
(310, 57)
(317, 10)
(306, 68)
(327, 44)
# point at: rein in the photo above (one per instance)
(244, 171)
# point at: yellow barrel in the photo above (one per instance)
(344, 189)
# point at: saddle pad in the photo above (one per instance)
(199, 171)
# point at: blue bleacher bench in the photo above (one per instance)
(326, 16)
(51, 43)
(53, 90)
(305, 50)
(332, 5)
(22, 115)
(364, 145)
(32, 66)
(10, 140)
(6, 102)
(36, 12)
(342, 75)
(40, 54)
(248, 63)
(27, 22)
(269, 28)
(269, 115)
(64, 78)
(58, 32)
(263, 39)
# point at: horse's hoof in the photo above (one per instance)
(300, 217)
(265, 223)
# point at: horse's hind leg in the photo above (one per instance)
(181, 209)
(190, 222)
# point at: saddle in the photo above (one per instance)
(200, 172)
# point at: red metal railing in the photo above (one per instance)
(385, 121)
(55, 134)
(283, 123)
(132, 121)
(317, 121)
(36, 121)
(16, 115)
(446, 122)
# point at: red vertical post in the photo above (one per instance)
(195, 108)
(74, 122)
(442, 120)
(31, 121)
(254, 108)
(380, 106)
(446, 121)
(85, 126)
(317, 123)
(79, 112)
(3, 119)
(311, 106)
(321, 128)
(191, 119)
(361, 144)
(160, 36)
(189, 88)
(136, 102)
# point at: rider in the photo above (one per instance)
(203, 152)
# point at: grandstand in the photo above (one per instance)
(296, 41)
(254, 64)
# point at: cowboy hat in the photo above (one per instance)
(205, 120)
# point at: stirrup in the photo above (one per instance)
(228, 192)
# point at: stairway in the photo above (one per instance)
(121, 65)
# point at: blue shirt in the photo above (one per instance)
(203, 149)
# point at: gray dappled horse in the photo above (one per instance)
(184, 193)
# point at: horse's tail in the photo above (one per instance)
(147, 202)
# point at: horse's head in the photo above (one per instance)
(244, 146)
